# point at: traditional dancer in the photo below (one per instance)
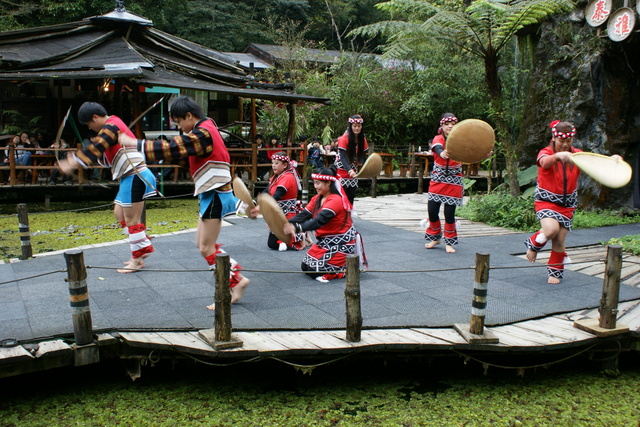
(445, 187)
(284, 186)
(352, 150)
(329, 214)
(556, 198)
(209, 167)
(128, 166)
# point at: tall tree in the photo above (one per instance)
(483, 28)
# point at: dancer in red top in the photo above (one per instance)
(209, 165)
(352, 150)
(329, 214)
(284, 186)
(445, 187)
(128, 166)
(556, 198)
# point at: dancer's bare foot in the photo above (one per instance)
(431, 244)
(450, 249)
(132, 266)
(238, 290)
(553, 280)
(532, 255)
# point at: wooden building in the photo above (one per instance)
(122, 61)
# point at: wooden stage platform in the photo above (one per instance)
(548, 339)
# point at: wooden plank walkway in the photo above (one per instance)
(555, 333)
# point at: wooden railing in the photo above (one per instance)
(241, 159)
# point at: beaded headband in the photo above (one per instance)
(321, 177)
(356, 120)
(444, 120)
(345, 200)
(563, 135)
(281, 157)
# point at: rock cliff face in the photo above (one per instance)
(593, 82)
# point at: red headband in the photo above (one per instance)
(281, 157)
(564, 135)
(345, 200)
(444, 120)
(356, 120)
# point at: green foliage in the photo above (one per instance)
(601, 218)
(629, 243)
(517, 213)
(502, 210)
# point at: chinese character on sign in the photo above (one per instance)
(622, 25)
(600, 12)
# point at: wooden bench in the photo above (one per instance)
(404, 168)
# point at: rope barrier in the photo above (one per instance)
(33, 277)
(252, 270)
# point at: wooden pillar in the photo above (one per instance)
(137, 128)
(474, 332)
(254, 147)
(79, 297)
(220, 337)
(352, 297)
(291, 108)
(607, 325)
(412, 160)
(12, 165)
(25, 235)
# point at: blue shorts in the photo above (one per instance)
(133, 189)
(217, 204)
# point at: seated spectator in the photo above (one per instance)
(23, 157)
(331, 147)
(314, 158)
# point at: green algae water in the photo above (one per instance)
(350, 392)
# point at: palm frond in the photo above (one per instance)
(384, 28)
(522, 13)
(418, 10)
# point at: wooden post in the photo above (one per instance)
(12, 165)
(420, 179)
(352, 297)
(79, 297)
(220, 338)
(474, 332)
(479, 303)
(25, 235)
(85, 350)
(412, 161)
(609, 302)
(611, 287)
(222, 298)
(373, 191)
